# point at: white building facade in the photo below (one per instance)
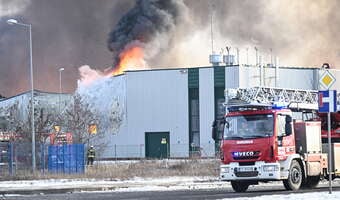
(169, 112)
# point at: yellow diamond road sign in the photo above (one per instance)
(327, 80)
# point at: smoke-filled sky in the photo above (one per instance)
(175, 33)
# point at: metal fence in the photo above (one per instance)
(173, 151)
(16, 158)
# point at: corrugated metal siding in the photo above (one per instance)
(42, 100)
(316, 77)
(296, 78)
(119, 84)
(207, 96)
(232, 77)
(249, 76)
(287, 77)
(157, 101)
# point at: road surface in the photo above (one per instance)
(165, 195)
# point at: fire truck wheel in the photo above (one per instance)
(312, 181)
(239, 186)
(294, 178)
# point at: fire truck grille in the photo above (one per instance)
(246, 158)
(247, 174)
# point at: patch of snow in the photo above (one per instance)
(157, 184)
(299, 196)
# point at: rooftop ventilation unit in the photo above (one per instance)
(215, 59)
(229, 59)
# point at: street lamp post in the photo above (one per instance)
(60, 89)
(15, 22)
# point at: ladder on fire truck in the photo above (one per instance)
(267, 96)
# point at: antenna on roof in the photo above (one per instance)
(247, 56)
(212, 8)
(228, 59)
(257, 62)
(271, 57)
(238, 55)
(215, 59)
(228, 49)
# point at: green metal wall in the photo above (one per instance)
(219, 87)
(219, 76)
(193, 78)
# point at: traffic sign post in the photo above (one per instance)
(327, 80)
(327, 104)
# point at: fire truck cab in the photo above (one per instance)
(271, 141)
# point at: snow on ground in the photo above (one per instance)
(136, 184)
(154, 184)
(304, 196)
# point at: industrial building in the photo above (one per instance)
(162, 113)
(169, 112)
(18, 106)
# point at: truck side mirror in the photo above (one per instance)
(214, 130)
(288, 119)
(288, 126)
(288, 129)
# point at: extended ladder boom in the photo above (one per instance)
(266, 96)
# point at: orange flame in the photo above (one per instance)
(130, 58)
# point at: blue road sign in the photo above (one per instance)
(327, 101)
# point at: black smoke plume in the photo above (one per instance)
(71, 33)
(65, 33)
(146, 22)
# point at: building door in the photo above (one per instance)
(157, 144)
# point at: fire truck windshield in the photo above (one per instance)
(248, 126)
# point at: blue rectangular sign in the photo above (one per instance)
(327, 101)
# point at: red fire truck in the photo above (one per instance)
(273, 134)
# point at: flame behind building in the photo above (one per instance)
(132, 41)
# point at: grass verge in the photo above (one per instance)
(130, 169)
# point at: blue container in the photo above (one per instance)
(67, 158)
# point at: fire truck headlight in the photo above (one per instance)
(224, 169)
(270, 168)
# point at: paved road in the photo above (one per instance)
(165, 195)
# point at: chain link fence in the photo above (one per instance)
(113, 152)
(16, 158)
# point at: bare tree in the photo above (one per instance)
(18, 125)
(16, 122)
(21, 124)
(77, 119)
